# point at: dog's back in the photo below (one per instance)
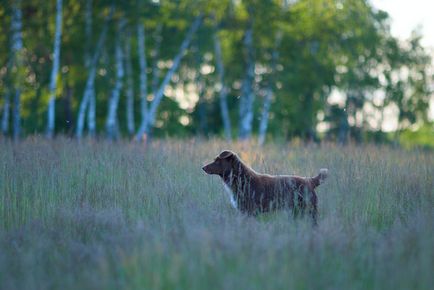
(254, 193)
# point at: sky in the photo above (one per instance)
(406, 16)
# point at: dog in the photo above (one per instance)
(253, 193)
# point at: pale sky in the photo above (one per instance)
(406, 16)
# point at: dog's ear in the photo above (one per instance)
(226, 154)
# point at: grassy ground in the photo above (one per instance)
(122, 216)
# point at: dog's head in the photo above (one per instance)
(222, 165)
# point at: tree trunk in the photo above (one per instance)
(141, 49)
(247, 93)
(343, 129)
(67, 100)
(263, 125)
(55, 70)
(5, 117)
(17, 46)
(308, 131)
(155, 57)
(202, 114)
(269, 91)
(88, 31)
(145, 128)
(91, 77)
(112, 122)
(201, 104)
(91, 112)
(222, 87)
(129, 88)
(17, 114)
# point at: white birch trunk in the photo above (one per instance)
(91, 78)
(200, 85)
(263, 125)
(141, 50)
(55, 70)
(17, 46)
(5, 116)
(247, 93)
(129, 88)
(160, 92)
(88, 31)
(155, 56)
(269, 91)
(91, 112)
(111, 122)
(223, 89)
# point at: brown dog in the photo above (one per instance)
(253, 193)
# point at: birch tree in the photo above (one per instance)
(200, 87)
(6, 101)
(5, 116)
(146, 126)
(129, 87)
(247, 94)
(221, 86)
(16, 50)
(112, 127)
(89, 88)
(269, 90)
(55, 70)
(312, 46)
(141, 49)
(91, 112)
(155, 57)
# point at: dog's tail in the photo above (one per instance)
(322, 175)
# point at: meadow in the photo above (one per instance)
(123, 215)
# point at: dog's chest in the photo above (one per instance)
(231, 196)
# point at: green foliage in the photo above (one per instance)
(422, 137)
(326, 45)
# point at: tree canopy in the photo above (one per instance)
(301, 54)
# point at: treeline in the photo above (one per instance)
(219, 67)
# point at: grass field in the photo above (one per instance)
(95, 215)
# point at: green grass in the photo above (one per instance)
(95, 215)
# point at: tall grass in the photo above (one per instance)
(96, 215)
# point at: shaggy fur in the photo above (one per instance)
(254, 193)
